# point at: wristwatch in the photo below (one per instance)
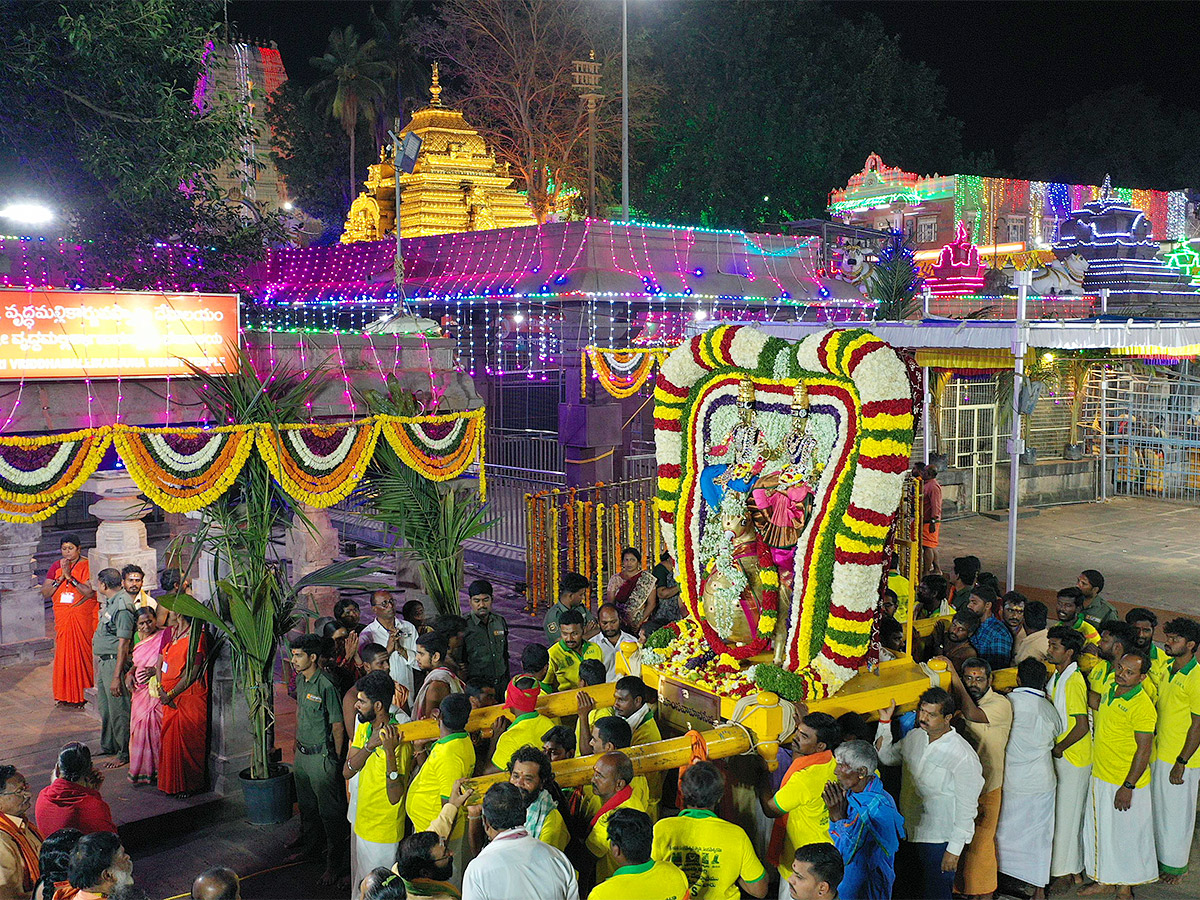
(1129, 786)
(1180, 761)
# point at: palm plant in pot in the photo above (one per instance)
(432, 520)
(255, 603)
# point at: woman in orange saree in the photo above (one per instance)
(182, 765)
(75, 616)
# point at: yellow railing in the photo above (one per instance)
(583, 530)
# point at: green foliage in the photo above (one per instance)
(895, 280)
(99, 111)
(256, 603)
(766, 106)
(430, 519)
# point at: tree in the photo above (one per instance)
(1123, 132)
(512, 60)
(99, 114)
(352, 85)
(767, 106)
(895, 280)
(309, 151)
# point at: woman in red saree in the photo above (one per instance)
(146, 713)
(182, 765)
(630, 589)
(75, 616)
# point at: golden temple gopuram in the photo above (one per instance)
(456, 184)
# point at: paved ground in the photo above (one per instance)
(1146, 549)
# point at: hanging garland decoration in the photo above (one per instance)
(621, 372)
(858, 384)
(440, 447)
(319, 464)
(38, 475)
(185, 469)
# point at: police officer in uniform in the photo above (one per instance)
(485, 645)
(320, 740)
(573, 593)
(112, 644)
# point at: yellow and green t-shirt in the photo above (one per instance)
(526, 730)
(597, 839)
(648, 733)
(1103, 677)
(554, 831)
(564, 664)
(375, 819)
(800, 797)
(712, 853)
(1178, 701)
(1117, 720)
(1088, 660)
(452, 757)
(647, 881)
(1079, 754)
(1160, 665)
(594, 716)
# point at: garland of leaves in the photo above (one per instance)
(38, 475)
(185, 469)
(621, 372)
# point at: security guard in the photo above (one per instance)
(485, 646)
(573, 593)
(112, 644)
(320, 738)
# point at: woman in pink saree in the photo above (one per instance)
(145, 721)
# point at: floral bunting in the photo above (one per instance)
(319, 464)
(439, 447)
(38, 475)
(621, 372)
(184, 469)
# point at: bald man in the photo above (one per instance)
(217, 883)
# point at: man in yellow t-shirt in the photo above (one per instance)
(569, 652)
(530, 770)
(638, 876)
(611, 777)
(630, 703)
(1118, 840)
(451, 757)
(1069, 609)
(1116, 639)
(716, 856)
(1176, 767)
(1068, 691)
(380, 763)
(525, 730)
(613, 733)
(799, 796)
(1143, 622)
(591, 672)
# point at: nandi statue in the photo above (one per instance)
(1061, 276)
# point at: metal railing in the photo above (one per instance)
(583, 530)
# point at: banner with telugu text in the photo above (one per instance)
(121, 334)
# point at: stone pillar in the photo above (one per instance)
(312, 545)
(121, 535)
(22, 609)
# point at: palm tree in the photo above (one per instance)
(352, 85)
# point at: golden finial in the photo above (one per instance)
(435, 89)
(746, 391)
(800, 397)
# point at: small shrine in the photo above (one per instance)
(456, 183)
(958, 271)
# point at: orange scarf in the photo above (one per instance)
(613, 802)
(28, 855)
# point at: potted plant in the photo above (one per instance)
(255, 604)
(432, 520)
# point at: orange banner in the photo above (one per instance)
(101, 334)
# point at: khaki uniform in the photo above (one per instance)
(117, 622)
(320, 789)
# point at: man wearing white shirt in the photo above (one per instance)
(515, 865)
(940, 785)
(610, 638)
(1025, 833)
(397, 635)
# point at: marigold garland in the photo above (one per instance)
(185, 469)
(621, 372)
(38, 475)
(319, 464)
(439, 457)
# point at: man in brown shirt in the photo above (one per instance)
(931, 519)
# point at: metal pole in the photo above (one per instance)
(625, 110)
(399, 263)
(1016, 445)
(926, 431)
(1104, 301)
(1104, 431)
(591, 158)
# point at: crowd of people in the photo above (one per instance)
(1083, 776)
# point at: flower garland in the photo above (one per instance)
(858, 385)
(440, 447)
(38, 475)
(185, 469)
(621, 372)
(319, 464)
(681, 650)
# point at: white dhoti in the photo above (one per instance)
(1174, 815)
(1118, 847)
(1066, 857)
(1025, 835)
(367, 855)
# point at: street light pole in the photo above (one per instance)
(625, 110)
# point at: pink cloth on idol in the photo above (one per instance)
(783, 508)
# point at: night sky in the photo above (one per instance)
(1003, 64)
